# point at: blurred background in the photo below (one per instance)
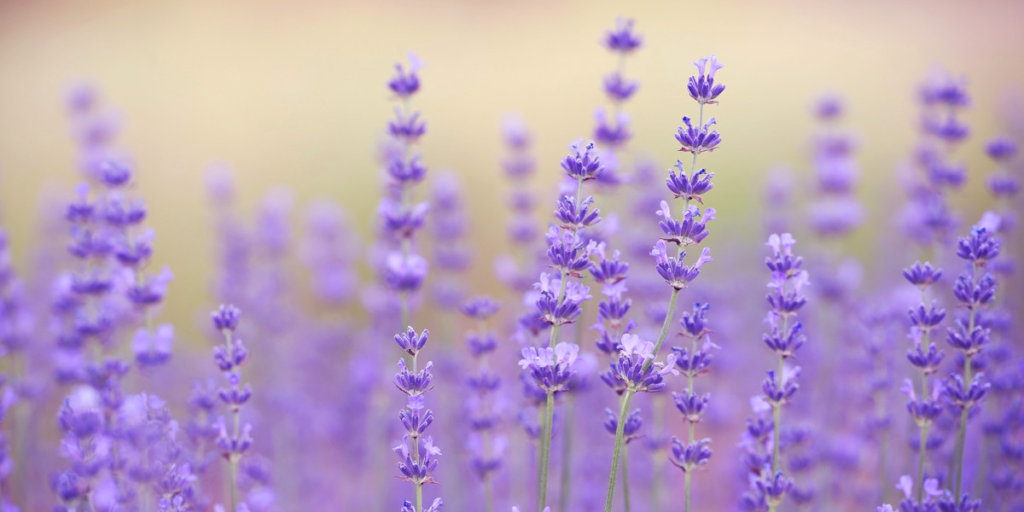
(293, 93)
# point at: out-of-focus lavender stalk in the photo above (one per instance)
(974, 292)
(928, 218)
(229, 358)
(613, 134)
(451, 256)
(519, 269)
(404, 270)
(12, 342)
(487, 446)
(926, 358)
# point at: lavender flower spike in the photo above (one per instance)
(975, 290)
(417, 454)
(235, 440)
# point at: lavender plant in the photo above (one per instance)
(784, 337)
(964, 390)
(551, 367)
(926, 358)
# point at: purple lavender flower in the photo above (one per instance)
(963, 392)
(235, 440)
(784, 336)
(622, 39)
(698, 139)
(406, 82)
(417, 454)
(702, 87)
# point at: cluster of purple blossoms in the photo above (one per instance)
(639, 366)
(926, 358)
(234, 440)
(417, 454)
(975, 290)
(560, 296)
(769, 484)
(692, 362)
(486, 444)
(108, 293)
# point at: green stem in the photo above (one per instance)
(658, 466)
(619, 430)
(922, 449)
(625, 475)
(488, 495)
(669, 315)
(545, 452)
(961, 433)
(565, 495)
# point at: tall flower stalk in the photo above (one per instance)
(926, 358)
(692, 361)
(417, 455)
(975, 289)
(560, 296)
(691, 230)
(234, 440)
(784, 337)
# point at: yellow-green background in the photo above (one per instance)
(293, 93)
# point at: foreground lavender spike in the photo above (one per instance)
(965, 391)
(691, 230)
(926, 359)
(417, 455)
(235, 440)
(784, 337)
(692, 361)
(551, 368)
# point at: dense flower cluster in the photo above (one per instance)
(769, 483)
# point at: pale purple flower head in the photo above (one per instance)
(406, 81)
(622, 38)
(702, 87)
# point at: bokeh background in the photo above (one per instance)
(293, 93)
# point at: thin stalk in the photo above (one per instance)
(658, 467)
(416, 444)
(961, 433)
(565, 495)
(625, 475)
(545, 452)
(549, 407)
(690, 436)
(619, 431)
(922, 448)
(488, 495)
(777, 414)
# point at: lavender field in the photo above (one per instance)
(560, 270)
